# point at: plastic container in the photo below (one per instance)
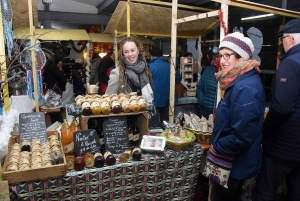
(153, 143)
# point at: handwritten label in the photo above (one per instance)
(31, 126)
(116, 134)
(86, 141)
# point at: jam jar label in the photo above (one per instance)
(101, 141)
(97, 154)
(95, 104)
(136, 149)
(136, 137)
(114, 103)
(70, 162)
(68, 147)
(130, 136)
(85, 105)
(106, 154)
(104, 104)
(142, 101)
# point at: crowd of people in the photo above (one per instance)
(267, 149)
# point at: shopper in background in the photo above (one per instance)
(207, 91)
(54, 77)
(94, 71)
(160, 70)
(281, 133)
(78, 86)
(132, 74)
(104, 69)
(239, 115)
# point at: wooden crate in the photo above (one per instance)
(142, 120)
(32, 174)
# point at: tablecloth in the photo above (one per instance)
(171, 175)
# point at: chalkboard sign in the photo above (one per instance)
(31, 126)
(86, 141)
(116, 134)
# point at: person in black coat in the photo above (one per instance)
(104, 69)
(55, 78)
(78, 87)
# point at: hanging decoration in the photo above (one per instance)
(88, 63)
(25, 61)
(221, 18)
(7, 25)
(75, 48)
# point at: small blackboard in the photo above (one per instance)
(86, 141)
(31, 126)
(116, 134)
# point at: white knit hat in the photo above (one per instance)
(237, 42)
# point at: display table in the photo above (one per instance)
(170, 176)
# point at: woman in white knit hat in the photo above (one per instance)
(239, 115)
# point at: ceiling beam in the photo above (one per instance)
(260, 7)
(104, 5)
(79, 18)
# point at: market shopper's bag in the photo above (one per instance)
(218, 167)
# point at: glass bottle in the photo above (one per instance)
(98, 160)
(109, 158)
(67, 138)
(130, 132)
(74, 125)
(125, 156)
(136, 134)
(100, 133)
(136, 154)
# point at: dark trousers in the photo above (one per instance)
(273, 173)
(161, 115)
(232, 193)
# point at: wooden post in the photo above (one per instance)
(224, 8)
(173, 58)
(32, 43)
(128, 18)
(116, 50)
(3, 67)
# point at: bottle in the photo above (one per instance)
(109, 158)
(98, 160)
(136, 134)
(74, 125)
(67, 138)
(100, 133)
(130, 132)
(125, 156)
(136, 154)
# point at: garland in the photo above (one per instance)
(221, 18)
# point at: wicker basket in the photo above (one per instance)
(178, 145)
(201, 137)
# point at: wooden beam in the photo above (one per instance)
(208, 29)
(173, 59)
(128, 17)
(116, 50)
(155, 34)
(32, 43)
(170, 4)
(260, 7)
(3, 67)
(198, 17)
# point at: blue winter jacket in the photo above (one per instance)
(281, 136)
(160, 70)
(206, 92)
(238, 124)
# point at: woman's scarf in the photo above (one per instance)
(227, 75)
(136, 73)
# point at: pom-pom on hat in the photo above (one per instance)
(292, 26)
(237, 42)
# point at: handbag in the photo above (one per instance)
(218, 167)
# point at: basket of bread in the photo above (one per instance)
(178, 138)
(201, 127)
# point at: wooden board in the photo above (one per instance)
(21, 13)
(33, 174)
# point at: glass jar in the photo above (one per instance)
(79, 163)
(89, 160)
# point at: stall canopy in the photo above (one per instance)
(109, 38)
(52, 34)
(152, 20)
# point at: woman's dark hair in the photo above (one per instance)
(58, 60)
(95, 56)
